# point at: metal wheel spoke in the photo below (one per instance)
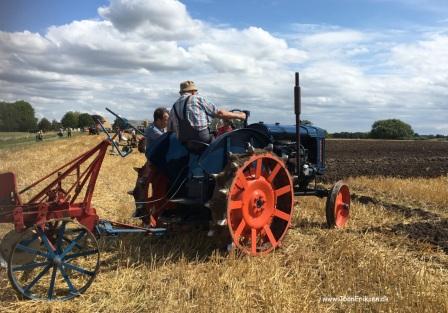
(282, 215)
(79, 254)
(26, 242)
(29, 266)
(254, 241)
(69, 241)
(270, 235)
(78, 269)
(238, 204)
(258, 168)
(52, 282)
(73, 243)
(32, 251)
(37, 278)
(281, 191)
(61, 232)
(240, 229)
(274, 172)
(242, 181)
(46, 242)
(68, 281)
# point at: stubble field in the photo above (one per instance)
(393, 256)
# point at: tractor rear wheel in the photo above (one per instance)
(338, 205)
(260, 203)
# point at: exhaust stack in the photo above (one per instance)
(297, 111)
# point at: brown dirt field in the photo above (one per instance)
(395, 248)
(389, 158)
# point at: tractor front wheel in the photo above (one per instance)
(338, 205)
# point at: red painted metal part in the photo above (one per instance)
(342, 207)
(338, 205)
(157, 202)
(58, 198)
(260, 204)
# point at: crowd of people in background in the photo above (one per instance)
(61, 132)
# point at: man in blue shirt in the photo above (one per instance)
(158, 127)
(147, 173)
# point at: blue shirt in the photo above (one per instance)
(152, 133)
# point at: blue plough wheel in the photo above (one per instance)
(57, 261)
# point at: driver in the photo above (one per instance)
(191, 115)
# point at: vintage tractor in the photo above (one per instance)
(241, 188)
(242, 185)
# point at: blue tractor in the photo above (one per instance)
(242, 187)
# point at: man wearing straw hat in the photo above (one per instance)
(191, 115)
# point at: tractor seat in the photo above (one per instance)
(8, 190)
(196, 146)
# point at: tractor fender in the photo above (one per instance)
(215, 157)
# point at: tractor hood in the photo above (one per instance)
(288, 132)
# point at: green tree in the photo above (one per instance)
(17, 116)
(119, 124)
(7, 118)
(26, 119)
(44, 124)
(85, 120)
(55, 125)
(70, 119)
(306, 123)
(391, 129)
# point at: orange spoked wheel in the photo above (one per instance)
(259, 204)
(338, 205)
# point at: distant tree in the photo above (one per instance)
(85, 120)
(7, 119)
(306, 122)
(349, 135)
(17, 116)
(55, 125)
(70, 119)
(118, 124)
(25, 116)
(44, 124)
(391, 129)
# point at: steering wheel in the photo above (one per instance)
(245, 112)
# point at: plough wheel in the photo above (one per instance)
(259, 204)
(338, 205)
(56, 261)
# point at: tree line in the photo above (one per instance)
(20, 116)
(387, 129)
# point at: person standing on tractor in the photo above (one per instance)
(191, 115)
(147, 173)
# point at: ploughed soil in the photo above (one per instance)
(397, 158)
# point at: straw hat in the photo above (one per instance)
(187, 86)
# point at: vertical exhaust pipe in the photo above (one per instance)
(297, 111)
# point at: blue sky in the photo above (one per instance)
(361, 60)
(19, 15)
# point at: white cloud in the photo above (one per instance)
(161, 19)
(334, 38)
(134, 58)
